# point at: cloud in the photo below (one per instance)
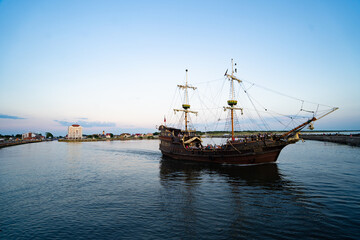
(10, 117)
(87, 124)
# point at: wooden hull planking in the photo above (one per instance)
(266, 154)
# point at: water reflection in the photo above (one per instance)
(243, 197)
(192, 172)
(74, 150)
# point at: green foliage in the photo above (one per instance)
(49, 135)
(6, 137)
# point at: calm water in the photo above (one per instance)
(125, 190)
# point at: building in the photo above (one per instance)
(32, 136)
(74, 132)
(28, 136)
(139, 135)
(125, 135)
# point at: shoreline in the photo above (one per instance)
(10, 144)
(104, 139)
(352, 140)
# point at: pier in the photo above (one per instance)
(353, 140)
(14, 143)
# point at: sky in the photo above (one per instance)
(114, 65)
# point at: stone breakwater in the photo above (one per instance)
(353, 140)
(14, 143)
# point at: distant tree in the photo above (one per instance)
(9, 136)
(18, 135)
(49, 135)
(111, 135)
(95, 136)
(156, 133)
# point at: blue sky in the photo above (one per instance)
(114, 65)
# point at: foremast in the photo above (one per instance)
(232, 102)
(186, 105)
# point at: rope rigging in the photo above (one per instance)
(259, 116)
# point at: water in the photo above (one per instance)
(125, 190)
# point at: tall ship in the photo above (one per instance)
(187, 144)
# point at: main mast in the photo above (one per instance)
(232, 102)
(186, 105)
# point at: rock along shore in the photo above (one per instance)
(353, 140)
(14, 143)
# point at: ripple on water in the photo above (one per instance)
(126, 190)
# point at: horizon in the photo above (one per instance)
(113, 66)
(144, 132)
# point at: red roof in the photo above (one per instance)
(76, 125)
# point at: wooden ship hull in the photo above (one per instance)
(227, 157)
(252, 152)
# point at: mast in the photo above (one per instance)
(232, 102)
(186, 105)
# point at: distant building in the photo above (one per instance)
(32, 136)
(28, 136)
(103, 135)
(74, 132)
(125, 135)
(108, 135)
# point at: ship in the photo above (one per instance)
(187, 145)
